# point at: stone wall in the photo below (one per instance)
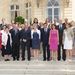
(38, 12)
(67, 10)
(5, 10)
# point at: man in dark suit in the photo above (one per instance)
(45, 40)
(15, 41)
(25, 36)
(61, 28)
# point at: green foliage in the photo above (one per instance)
(19, 19)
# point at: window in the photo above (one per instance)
(50, 13)
(14, 10)
(29, 4)
(53, 8)
(12, 15)
(12, 7)
(26, 5)
(17, 7)
(28, 11)
(26, 14)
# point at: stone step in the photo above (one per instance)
(35, 65)
(36, 68)
(39, 72)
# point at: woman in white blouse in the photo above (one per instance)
(6, 43)
(35, 35)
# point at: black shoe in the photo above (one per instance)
(14, 59)
(48, 59)
(58, 59)
(23, 59)
(64, 59)
(29, 59)
(17, 59)
(7, 60)
(2, 55)
(44, 59)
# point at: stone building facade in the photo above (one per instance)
(40, 9)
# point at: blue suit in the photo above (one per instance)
(45, 41)
(25, 36)
(15, 43)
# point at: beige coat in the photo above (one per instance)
(70, 34)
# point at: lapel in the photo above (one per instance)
(60, 27)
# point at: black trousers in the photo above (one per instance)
(3, 51)
(46, 52)
(15, 52)
(63, 52)
(25, 46)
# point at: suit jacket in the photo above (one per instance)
(45, 36)
(15, 38)
(13, 34)
(25, 34)
(60, 31)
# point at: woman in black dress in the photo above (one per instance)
(6, 42)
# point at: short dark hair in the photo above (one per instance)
(52, 26)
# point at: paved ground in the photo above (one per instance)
(37, 67)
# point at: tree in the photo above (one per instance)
(19, 19)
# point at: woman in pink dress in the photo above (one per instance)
(53, 42)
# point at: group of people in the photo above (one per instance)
(57, 40)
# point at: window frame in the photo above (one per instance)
(53, 7)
